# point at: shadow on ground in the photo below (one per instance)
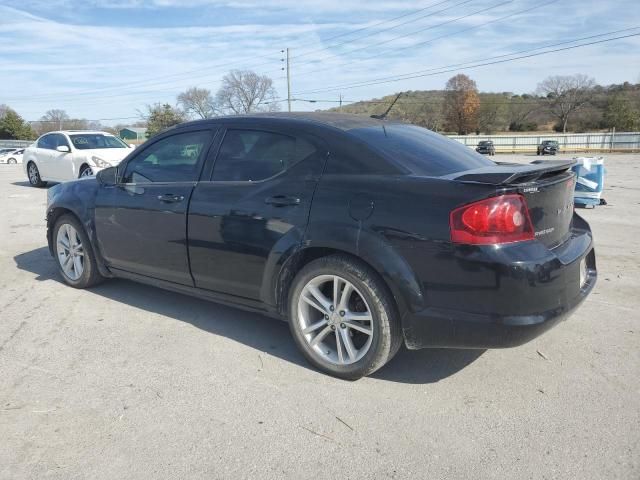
(254, 330)
(27, 184)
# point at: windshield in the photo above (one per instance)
(92, 141)
(550, 142)
(485, 143)
(420, 151)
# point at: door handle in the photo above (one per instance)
(282, 200)
(170, 198)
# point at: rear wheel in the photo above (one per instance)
(76, 261)
(12, 161)
(343, 318)
(34, 176)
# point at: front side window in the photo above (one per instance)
(173, 159)
(93, 141)
(46, 142)
(58, 140)
(253, 155)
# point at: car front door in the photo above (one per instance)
(141, 222)
(254, 208)
(44, 154)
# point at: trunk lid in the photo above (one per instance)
(547, 187)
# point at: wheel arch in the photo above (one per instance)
(366, 247)
(75, 205)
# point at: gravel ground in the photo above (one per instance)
(127, 381)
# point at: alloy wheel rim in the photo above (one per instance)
(87, 172)
(70, 251)
(335, 320)
(33, 173)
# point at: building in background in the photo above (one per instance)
(133, 133)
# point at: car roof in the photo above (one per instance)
(80, 131)
(341, 121)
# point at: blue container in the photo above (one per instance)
(590, 181)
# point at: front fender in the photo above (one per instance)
(77, 197)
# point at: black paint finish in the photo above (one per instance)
(241, 243)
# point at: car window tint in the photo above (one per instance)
(173, 159)
(420, 151)
(58, 140)
(252, 155)
(46, 142)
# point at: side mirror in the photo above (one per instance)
(108, 176)
(131, 145)
(63, 149)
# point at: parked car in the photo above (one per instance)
(486, 147)
(70, 154)
(548, 147)
(362, 234)
(12, 156)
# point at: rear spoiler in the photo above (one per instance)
(509, 173)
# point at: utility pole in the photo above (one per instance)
(340, 108)
(288, 78)
(288, 82)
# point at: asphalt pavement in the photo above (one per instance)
(128, 381)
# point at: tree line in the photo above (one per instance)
(561, 103)
(241, 91)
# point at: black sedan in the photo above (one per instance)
(486, 147)
(362, 234)
(548, 147)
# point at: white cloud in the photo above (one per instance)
(104, 71)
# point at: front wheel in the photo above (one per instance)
(85, 171)
(34, 176)
(12, 161)
(76, 261)
(343, 318)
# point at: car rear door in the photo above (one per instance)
(141, 223)
(253, 209)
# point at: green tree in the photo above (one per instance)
(619, 114)
(161, 117)
(13, 127)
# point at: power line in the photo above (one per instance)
(462, 64)
(447, 69)
(431, 40)
(187, 75)
(431, 27)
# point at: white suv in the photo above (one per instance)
(71, 154)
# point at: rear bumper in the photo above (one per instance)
(525, 300)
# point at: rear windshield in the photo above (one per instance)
(91, 141)
(420, 151)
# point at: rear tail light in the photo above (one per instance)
(502, 219)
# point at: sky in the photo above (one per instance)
(107, 59)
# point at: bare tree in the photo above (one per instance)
(54, 119)
(244, 91)
(461, 104)
(566, 94)
(197, 102)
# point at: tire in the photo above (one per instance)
(34, 175)
(85, 171)
(79, 271)
(364, 345)
(12, 161)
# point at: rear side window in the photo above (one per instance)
(420, 151)
(253, 155)
(173, 159)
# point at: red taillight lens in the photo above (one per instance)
(502, 219)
